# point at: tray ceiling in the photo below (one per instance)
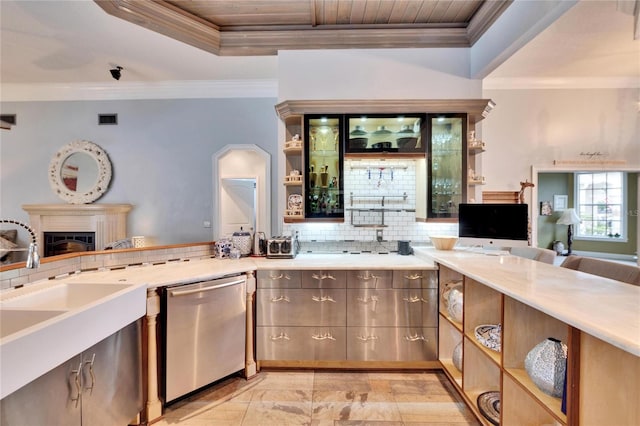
(254, 27)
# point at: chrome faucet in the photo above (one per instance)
(33, 258)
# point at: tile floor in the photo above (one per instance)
(322, 398)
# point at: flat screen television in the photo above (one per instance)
(493, 225)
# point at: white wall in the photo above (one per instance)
(535, 127)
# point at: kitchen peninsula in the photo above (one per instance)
(597, 317)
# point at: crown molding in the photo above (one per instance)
(561, 83)
(139, 90)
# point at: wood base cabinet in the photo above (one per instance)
(600, 377)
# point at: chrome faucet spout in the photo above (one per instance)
(33, 258)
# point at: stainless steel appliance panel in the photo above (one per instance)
(305, 307)
(205, 333)
(301, 343)
(279, 279)
(112, 378)
(392, 308)
(415, 279)
(324, 279)
(391, 344)
(370, 279)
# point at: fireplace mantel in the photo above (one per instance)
(108, 221)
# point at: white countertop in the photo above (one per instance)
(604, 308)
(195, 270)
(601, 307)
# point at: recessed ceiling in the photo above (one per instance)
(64, 42)
(243, 27)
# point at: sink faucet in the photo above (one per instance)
(33, 258)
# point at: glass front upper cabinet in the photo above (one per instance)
(324, 161)
(375, 133)
(447, 164)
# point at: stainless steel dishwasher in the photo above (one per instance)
(205, 333)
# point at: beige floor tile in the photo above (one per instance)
(324, 398)
(429, 412)
(294, 380)
(337, 381)
(277, 413)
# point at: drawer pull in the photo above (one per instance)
(367, 338)
(415, 338)
(323, 336)
(76, 380)
(91, 373)
(414, 299)
(323, 277)
(368, 276)
(280, 299)
(279, 277)
(281, 336)
(367, 300)
(413, 277)
(323, 299)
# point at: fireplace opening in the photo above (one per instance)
(68, 242)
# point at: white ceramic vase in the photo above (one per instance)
(456, 357)
(455, 305)
(546, 364)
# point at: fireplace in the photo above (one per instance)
(77, 227)
(56, 243)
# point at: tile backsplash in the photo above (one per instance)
(366, 182)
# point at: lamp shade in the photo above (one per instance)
(569, 217)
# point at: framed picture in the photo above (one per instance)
(560, 202)
(545, 208)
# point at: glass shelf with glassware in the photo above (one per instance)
(323, 165)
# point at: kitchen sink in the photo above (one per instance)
(63, 296)
(47, 323)
(12, 321)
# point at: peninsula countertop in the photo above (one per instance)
(604, 308)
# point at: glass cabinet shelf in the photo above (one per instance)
(324, 162)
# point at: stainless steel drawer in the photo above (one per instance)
(279, 279)
(323, 279)
(392, 308)
(391, 344)
(415, 279)
(370, 279)
(302, 307)
(301, 343)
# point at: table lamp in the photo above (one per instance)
(569, 217)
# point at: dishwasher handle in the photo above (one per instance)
(175, 293)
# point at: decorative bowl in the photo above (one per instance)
(443, 242)
(407, 143)
(381, 145)
(490, 336)
(358, 143)
(489, 406)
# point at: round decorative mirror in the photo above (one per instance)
(80, 172)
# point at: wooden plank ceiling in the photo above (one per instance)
(257, 27)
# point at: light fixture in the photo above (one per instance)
(569, 217)
(116, 72)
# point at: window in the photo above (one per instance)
(600, 202)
